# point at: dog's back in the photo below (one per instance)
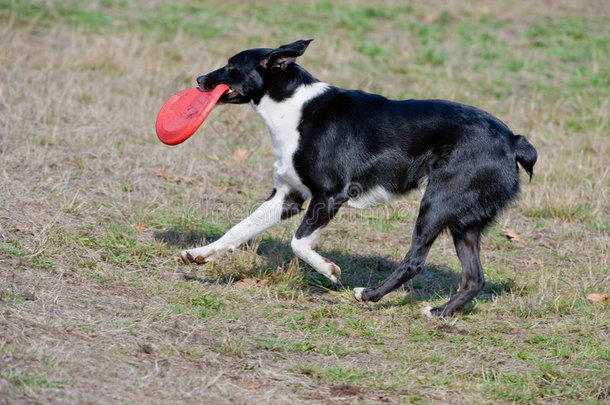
(355, 138)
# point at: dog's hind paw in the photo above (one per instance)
(427, 311)
(358, 293)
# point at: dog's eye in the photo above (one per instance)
(230, 66)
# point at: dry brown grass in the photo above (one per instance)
(94, 308)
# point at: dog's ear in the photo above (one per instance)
(285, 55)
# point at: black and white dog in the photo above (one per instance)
(340, 147)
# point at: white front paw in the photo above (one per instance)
(335, 272)
(199, 255)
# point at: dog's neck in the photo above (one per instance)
(285, 115)
(281, 85)
(281, 106)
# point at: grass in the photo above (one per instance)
(95, 306)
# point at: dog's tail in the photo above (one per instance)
(526, 154)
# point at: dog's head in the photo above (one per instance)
(249, 72)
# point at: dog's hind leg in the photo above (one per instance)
(430, 222)
(467, 246)
(319, 213)
(283, 203)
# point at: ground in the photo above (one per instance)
(96, 307)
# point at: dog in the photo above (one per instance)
(338, 147)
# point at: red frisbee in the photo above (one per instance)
(184, 112)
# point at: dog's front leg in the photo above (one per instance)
(283, 203)
(319, 213)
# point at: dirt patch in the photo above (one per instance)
(446, 328)
(345, 390)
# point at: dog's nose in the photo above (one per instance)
(201, 81)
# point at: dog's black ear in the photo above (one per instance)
(285, 55)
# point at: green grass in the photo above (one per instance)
(20, 377)
(13, 248)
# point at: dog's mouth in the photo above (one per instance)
(207, 88)
(229, 96)
(232, 95)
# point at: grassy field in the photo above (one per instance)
(95, 306)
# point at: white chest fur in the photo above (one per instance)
(283, 119)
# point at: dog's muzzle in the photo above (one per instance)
(201, 81)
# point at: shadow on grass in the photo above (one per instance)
(357, 270)
(433, 282)
(182, 239)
